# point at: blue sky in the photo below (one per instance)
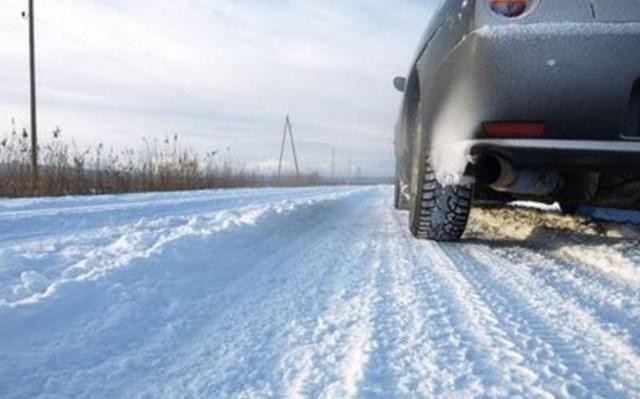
(221, 74)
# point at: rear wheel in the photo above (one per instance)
(439, 212)
(436, 212)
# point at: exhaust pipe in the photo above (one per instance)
(500, 175)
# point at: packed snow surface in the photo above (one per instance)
(317, 293)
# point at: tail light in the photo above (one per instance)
(515, 130)
(510, 8)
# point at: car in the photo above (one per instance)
(519, 100)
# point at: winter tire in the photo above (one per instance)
(438, 212)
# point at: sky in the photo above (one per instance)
(221, 74)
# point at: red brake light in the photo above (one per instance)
(510, 8)
(515, 130)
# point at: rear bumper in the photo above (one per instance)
(560, 155)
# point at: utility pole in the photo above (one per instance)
(284, 142)
(34, 121)
(288, 130)
(293, 147)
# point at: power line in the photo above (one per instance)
(15, 8)
(95, 20)
(141, 73)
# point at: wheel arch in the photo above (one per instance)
(410, 109)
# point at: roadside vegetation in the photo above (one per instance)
(158, 165)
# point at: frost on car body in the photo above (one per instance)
(529, 99)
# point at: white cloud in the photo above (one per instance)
(221, 73)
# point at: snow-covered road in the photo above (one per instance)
(317, 293)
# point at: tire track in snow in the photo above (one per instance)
(418, 352)
(329, 353)
(518, 364)
(616, 308)
(327, 360)
(555, 365)
(187, 299)
(606, 364)
(321, 295)
(252, 353)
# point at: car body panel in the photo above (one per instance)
(570, 64)
(616, 11)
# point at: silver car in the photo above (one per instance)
(520, 99)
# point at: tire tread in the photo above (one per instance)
(443, 211)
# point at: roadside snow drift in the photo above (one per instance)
(317, 293)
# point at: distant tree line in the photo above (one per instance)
(160, 165)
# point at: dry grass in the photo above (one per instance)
(159, 166)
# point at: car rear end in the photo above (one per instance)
(543, 85)
(572, 65)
